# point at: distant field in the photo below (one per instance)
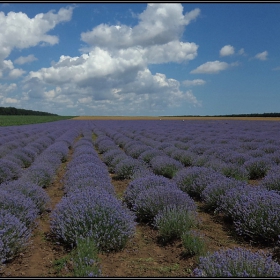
(21, 120)
(174, 118)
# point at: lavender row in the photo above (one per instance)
(22, 200)
(90, 208)
(154, 199)
(255, 213)
(221, 147)
(14, 164)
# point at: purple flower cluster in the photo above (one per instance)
(185, 157)
(150, 201)
(94, 213)
(14, 235)
(149, 154)
(165, 166)
(272, 179)
(136, 150)
(257, 167)
(237, 262)
(213, 192)
(19, 205)
(255, 211)
(38, 195)
(86, 168)
(194, 180)
(9, 170)
(138, 185)
(128, 166)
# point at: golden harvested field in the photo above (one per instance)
(174, 118)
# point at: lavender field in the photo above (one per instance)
(118, 178)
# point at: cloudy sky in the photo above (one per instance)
(140, 59)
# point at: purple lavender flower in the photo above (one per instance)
(257, 167)
(136, 150)
(213, 192)
(149, 202)
(148, 155)
(36, 193)
(8, 170)
(194, 180)
(138, 185)
(14, 235)
(272, 179)
(127, 167)
(19, 205)
(237, 262)
(110, 155)
(94, 213)
(166, 166)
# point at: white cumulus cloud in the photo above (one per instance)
(196, 82)
(10, 100)
(227, 50)
(17, 30)
(15, 73)
(25, 59)
(262, 55)
(113, 75)
(210, 67)
(158, 24)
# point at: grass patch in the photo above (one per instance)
(10, 120)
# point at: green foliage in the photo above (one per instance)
(193, 243)
(15, 111)
(173, 221)
(22, 120)
(85, 259)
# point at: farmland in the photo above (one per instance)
(9, 120)
(147, 195)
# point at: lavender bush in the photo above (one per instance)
(93, 213)
(272, 179)
(148, 155)
(34, 192)
(257, 167)
(127, 167)
(136, 186)
(172, 221)
(149, 202)
(213, 192)
(85, 259)
(116, 160)
(185, 157)
(8, 170)
(40, 173)
(237, 262)
(193, 180)
(193, 243)
(165, 166)
(19, 205)
(255, 212)
(136, 150)
(14, 235)
(110, 155)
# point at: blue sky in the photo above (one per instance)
(140, 59)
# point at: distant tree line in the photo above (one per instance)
(15, 111)
(237, 115)
(252, 115)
